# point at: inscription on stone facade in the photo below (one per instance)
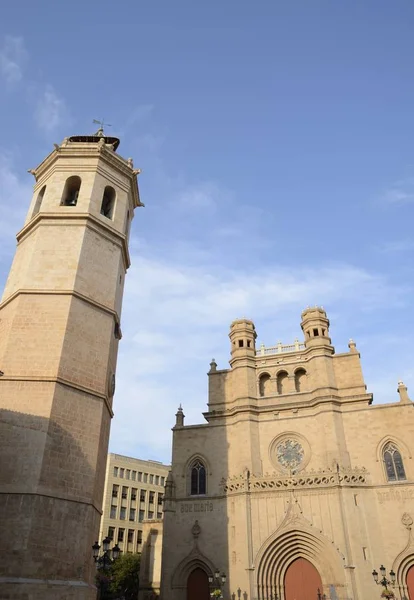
(395, 496)
(196, 507)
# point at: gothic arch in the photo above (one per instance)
(283, 547)
(187, 565)
(404, 449)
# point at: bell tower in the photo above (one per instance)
(59, 335)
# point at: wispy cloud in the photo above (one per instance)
(201, 196)
(12, 58)
(397, 246)
(51, 110)
(164, 357)
(402, 192)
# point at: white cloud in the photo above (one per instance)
(50, 110)
(176, 318)
(12, 58)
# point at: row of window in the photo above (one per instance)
(121, 535)
(133, 514)
(266, 385)
(393, 462)
(139, 476)
(71, 194)
(124, 491)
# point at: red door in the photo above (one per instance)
(302, 581)
(410, 583)
(197, 585)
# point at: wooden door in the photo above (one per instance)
(410, 583)
(198, 586)
(302, 581)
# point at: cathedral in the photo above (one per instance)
(297, 486)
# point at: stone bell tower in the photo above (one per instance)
(59, 335)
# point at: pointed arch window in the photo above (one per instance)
(108, 202)
(198, 478)
(393, 461)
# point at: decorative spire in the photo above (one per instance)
(402, 390)
(352, 346)
(213, 365)
(179, 417)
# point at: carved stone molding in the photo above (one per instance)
(303, 480)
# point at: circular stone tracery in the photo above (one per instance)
(290, 453)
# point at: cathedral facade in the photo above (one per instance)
(297, 487)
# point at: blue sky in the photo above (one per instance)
(276, 146)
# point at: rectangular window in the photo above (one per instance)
(128, 474)
(134, 493)
(130, 536)
(139, 537)
(111, 532)
(139, 476)
(115, 489)
(113, 512)
(133, 475)
(141, 516)
(157, 480)
(121, 473)
(162, 481)
(151, 497)
(151, 478)
(122, 513)
(160, 499)
(132, 514)
(142, 496)
(145, 477)
(150, 514)
(124, 492)
(121, 532)
(115, 471)
(159, 515)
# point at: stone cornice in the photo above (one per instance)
(74, 293)
(78, 218)
(61, 381)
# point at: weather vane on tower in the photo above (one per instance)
(102, 124)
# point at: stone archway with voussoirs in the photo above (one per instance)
(282, 548)
(180, 578)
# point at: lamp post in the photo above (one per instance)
(217, 581)
(104, 561)
(382, 580)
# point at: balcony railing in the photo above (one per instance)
(280, 348)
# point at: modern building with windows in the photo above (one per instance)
(134, 493)
(297, 486)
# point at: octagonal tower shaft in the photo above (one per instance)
(59, 334)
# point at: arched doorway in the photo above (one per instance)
(410, 582)
(302, 581)
(197, 585)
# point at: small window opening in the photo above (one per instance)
(198, 479)
(365, 553)
(240, 343)
(315, 332)
(248, 343)
(356, 499)
(308, 334)
(264, 385)
(282, 379)
(39, 201)
(300, 378)
(394, 465)
(117, 331)
(71, 191)
(108, 202)
(323, 332)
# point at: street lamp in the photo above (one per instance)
(218, 581)
(386, 593)
(104, 561)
